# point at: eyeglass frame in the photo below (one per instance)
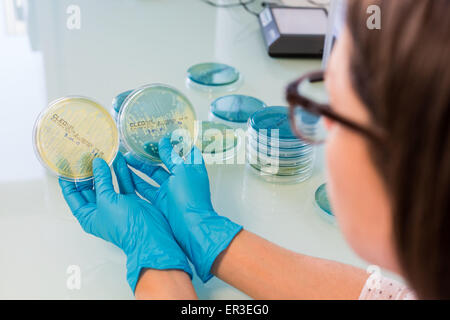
(297, 100)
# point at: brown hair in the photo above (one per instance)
(402, 74)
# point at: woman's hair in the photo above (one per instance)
(402, 74)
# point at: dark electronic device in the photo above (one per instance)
(294, 31)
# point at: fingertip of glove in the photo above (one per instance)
(165, 147)
(98, 164)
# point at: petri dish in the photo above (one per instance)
(213, 74)
(271, 126)
(323, 202)
(322, 199)
(287, 167)
(116, 106)
(275, 143)
(235, 108)
(268, 176)
(283, 172)
(282, 162)
(278, 151)
(70, 133)
(270, 119)
(216, 138)
(151, 113)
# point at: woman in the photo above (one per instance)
(388, 163)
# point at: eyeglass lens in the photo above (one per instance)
(311, 126)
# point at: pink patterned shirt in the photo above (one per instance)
(378, 287)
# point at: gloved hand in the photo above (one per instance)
(124, 219)
(119, 100)
(184, 197)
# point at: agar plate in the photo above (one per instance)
(273, 118)
(235, 108)
(213, 74)
(151, 113)
(323, 203)
(278, 151)
(217, 138)
(70, 133)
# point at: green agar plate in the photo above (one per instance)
(235, 108)
(213, 74)
(151, 113)
(216, 138)
(273, 118)
(322, 200)
(70, 133)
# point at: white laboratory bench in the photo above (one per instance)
(122, 45)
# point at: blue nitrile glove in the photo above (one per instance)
(184, 197)
(124, 219)
(119, 99)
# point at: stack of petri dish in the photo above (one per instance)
(274, 151)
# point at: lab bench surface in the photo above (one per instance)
(121, 45)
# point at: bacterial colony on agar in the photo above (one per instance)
(151, 113)
(70, 133)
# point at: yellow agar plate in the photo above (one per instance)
(70, 133)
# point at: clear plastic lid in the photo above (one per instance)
(153, 112)
(70, 133)
(236, 108)
(213, 74)
(268, 168)
(285, 180)
(281, 152)
(282, 162)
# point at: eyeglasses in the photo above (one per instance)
(307, 115)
